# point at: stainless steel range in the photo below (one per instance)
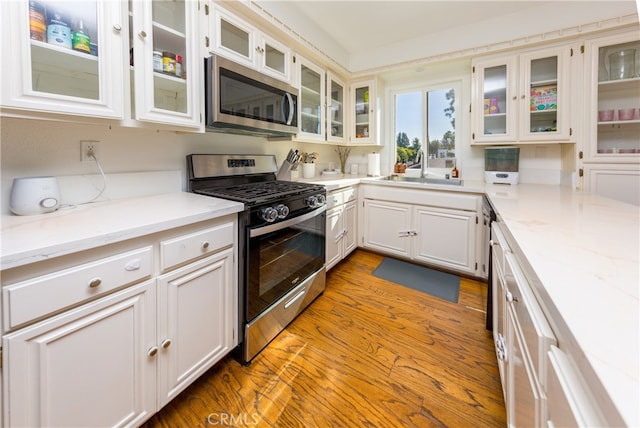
(281, 240)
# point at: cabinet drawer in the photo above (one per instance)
(499, 246)
(536, 331)
(349, 195)
(334, 199)
(35, 298)
(174, 252)
(568, 402)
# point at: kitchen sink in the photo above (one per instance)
(424, 180)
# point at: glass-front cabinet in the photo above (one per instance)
(64, 57)
(236, 39)
(613, 110)
(311, 105)
(335, 109)
(522, 98)
(165, 61)
(363, 113)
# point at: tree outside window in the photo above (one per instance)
(426, 115)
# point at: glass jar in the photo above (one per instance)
(622, 64)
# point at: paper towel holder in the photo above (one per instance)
(373, 166)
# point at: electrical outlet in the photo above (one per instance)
(87, 148)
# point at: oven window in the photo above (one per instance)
(280, 260)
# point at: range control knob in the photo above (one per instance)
(311, 201)
(321, 200)
(282, 210)
(268, 214)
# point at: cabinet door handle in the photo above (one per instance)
(142, 34)
(117, 27)
(94, 282)
(152, 352)
(166, 343)
(205, 245)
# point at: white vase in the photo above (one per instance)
(308, 170)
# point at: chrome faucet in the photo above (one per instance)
(420, 157)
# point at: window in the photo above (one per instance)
(426, 115)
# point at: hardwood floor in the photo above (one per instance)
(366, 353)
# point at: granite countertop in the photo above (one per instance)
(29, 239)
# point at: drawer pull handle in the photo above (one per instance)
(205, 245)
(132, 265)
(95, 282)
(166, 343)
(152, 352)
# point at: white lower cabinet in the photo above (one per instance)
(86, 367)
(440, 231)
(195, 314)
(109, 336)
(522, 337)
(341, 225)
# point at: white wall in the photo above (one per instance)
(37, 147)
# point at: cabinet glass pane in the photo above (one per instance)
(310, 97)
(64, 54)
(362, 112)
(495, 100)
(618, 113)
(234, 38)
(169, 40)
(274, 58)
(336, 111)
(543, 95)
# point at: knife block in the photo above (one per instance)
(284, 174)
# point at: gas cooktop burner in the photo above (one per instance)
(256, 193)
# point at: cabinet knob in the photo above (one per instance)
(523, 97)
(205, 245)
(494, 243)
(117, 27)
(510, 297)
(94, 282)
(514, 98)
(166, 343)
(142, 34)
(152, 352)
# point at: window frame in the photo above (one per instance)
(424, 88)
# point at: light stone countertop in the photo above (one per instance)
(582, 253)
(29, 239)
(582, 257)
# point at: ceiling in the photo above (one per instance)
(364, 34)
(359, 25)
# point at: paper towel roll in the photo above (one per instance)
(373, 167)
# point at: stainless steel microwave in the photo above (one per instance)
(239, 99)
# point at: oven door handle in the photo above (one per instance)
(259, 231)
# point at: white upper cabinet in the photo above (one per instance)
(363, 113)
(612, 110)
(522, 98)
(236, 39)
(311, 101)
(166, 62)
(335, 99)
(62, 57)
